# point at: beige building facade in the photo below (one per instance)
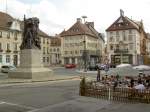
(11, 39)
(81, 43)
(55, 50)
(126, 41)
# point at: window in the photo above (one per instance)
(8, 35)
(0, 58)
(50, 50)
(8, 46)
(66, 52)
(43, 40)
(47, 50)
(0, 46)
(111, 47)
(76, 52)
(117, 33)
(15, 36)
(54, 49)
(117, 46)
(43, 59)
(0, 34)
(111, 39)
(130, 38)
(131, 46)
(130, 31)
(124, 36)
(47, 41)
(57, 49)
(7, 58)
(47, 59)
(15, 46)
(43, 50)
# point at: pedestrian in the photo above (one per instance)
(98, 75)
(132, 82)
(115, 85)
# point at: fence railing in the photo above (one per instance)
(117, 94)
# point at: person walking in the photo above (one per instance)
(98, 75)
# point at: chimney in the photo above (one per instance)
(121, 12)
(90, 24)
(79, 20)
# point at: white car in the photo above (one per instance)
(7, 68)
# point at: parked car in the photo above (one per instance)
(7, 68)
(92, 67)
(70, 65)
(112, 65)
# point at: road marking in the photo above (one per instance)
(2, 102)
(32, 109)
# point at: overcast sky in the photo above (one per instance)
(57, 15)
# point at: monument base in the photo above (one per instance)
(31, 66)
(31, 73)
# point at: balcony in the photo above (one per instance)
(16, 51)
(8, 50)
(121, 51)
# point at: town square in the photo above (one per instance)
(74, 56)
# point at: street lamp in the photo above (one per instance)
(84, 52)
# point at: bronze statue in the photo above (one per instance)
(30, 34)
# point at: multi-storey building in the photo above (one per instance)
(55, 50)
(81, 44)
(126, 41)
(11, 39)
(45, 47)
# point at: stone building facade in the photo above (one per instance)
(55, 50)
(11, 38)
(126, 41)
(81, 44)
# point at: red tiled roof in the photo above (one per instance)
(6, 20)
(124, 25)
(78, 29)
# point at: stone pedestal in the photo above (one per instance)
(31, 66)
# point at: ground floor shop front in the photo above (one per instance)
(81, 61)
(126, 58)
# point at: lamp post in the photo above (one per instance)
(84, 55)
(121, 49)
(84, 52)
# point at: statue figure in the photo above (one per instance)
(30, 34)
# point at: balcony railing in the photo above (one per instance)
(16, 51)
(121, 51)
(8, 50)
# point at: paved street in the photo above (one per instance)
(37, 95)
(57, 96)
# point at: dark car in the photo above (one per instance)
(92, 67)
(112, 65)
(70, 65)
